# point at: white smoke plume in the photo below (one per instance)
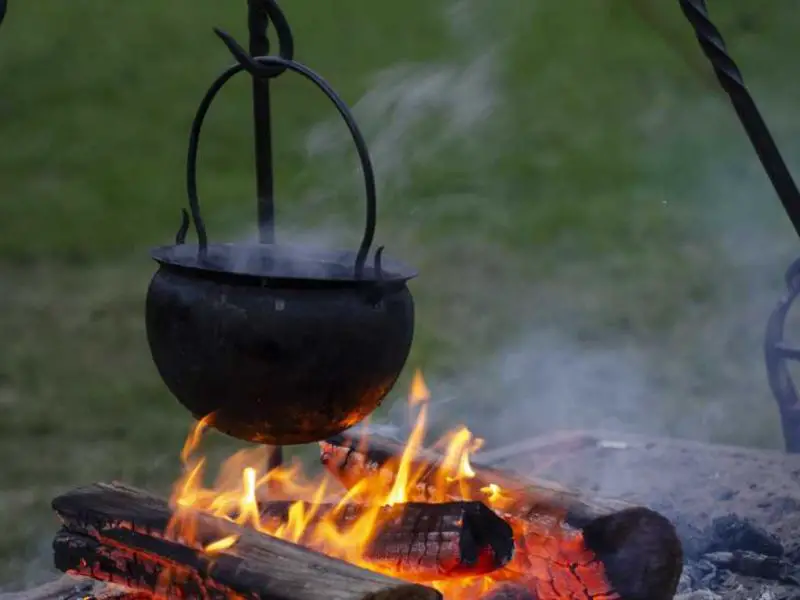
(701, 376)
(412, 112)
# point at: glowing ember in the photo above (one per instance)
(242, 482)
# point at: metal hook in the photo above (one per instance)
(180, 237)
(248, 63)
(378, 265)
(282, 29)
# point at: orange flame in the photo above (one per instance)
(419, 390)
(243, 481)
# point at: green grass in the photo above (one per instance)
(595, 238)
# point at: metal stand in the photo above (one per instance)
(258, 21)
(777, 353)
(731, 80)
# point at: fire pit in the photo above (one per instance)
(736, 510)
(410, 523)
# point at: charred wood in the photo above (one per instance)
(640, 552)
(428, 541)
(752, 564)
(350, 457)
(122, 535)
(614, 547)
(139, 562)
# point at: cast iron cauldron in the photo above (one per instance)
(281, 345)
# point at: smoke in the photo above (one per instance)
(405, 98)
(700, 374)
(413, 112)
(696, 371)
(674, 349)
(538, 384)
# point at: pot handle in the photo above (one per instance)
(267, 67)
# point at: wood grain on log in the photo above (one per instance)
(117, 533)
(534, 496)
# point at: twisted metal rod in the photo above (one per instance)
(730, 78)
(776, 351)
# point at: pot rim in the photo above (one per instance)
(281, 262)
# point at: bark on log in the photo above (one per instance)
(120, 534)
(349, 457)
(428, 541)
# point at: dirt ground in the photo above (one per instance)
(689, 482)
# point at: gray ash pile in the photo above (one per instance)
(733, 558)
(736, 510)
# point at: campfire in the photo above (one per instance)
(424, 522)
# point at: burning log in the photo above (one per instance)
(429, 541)
(351, 457)
(609, 549)
(122, 535)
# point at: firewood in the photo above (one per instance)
(632, 554)
(120, 534)
(608, 548)
(640, 551)
(349, 456)
(428, 541)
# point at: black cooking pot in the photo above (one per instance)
(282, 345)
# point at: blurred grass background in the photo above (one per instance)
(566, 176)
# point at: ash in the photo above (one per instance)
(736, 510)
(733, 558)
